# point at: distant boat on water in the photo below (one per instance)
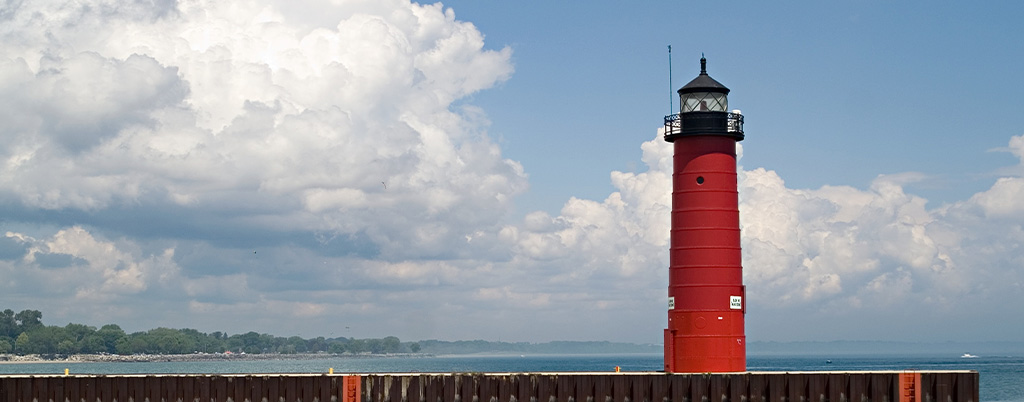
(968, 356)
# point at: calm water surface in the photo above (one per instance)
(1002, 378)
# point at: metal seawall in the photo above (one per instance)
(889, 386)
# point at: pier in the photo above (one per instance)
(860, 386)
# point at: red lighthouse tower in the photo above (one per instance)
(705, 292)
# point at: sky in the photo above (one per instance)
(494, 170)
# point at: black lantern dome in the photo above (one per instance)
(704, 110)
(703, 94)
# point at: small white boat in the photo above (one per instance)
(968, 356)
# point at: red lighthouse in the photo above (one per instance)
(705, 292)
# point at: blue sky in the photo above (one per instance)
(493, 170)
(833, 92)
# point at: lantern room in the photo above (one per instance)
(704, 110)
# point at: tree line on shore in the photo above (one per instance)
(24, 333)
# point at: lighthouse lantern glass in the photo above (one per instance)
(703, 102)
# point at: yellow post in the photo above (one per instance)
(332, 370)
(65, 372)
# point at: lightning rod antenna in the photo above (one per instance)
(671, 102)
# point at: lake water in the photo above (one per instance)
(1001, 378)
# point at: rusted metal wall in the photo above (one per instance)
(627, 387)
(958, 386)
(173, 388)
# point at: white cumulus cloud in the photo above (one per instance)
(201, 105)
(833, 253)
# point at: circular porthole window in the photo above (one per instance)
(700, 179)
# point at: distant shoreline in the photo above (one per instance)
(188, 357)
